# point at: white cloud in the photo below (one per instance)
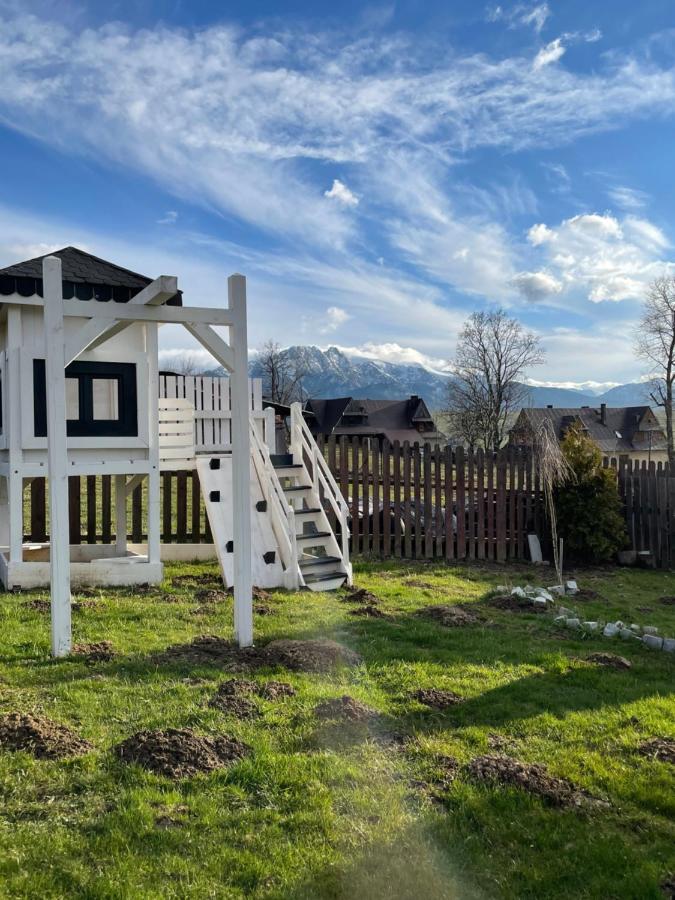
(536, 286)
(520, 15)
(551, 53)
(334, 317)
(169, 218)
(628, 198)
(342, 194)
(603, 257)
(395, 353)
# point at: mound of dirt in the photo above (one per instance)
(344, 709)
(257, 593)
(587, 594)
(209, 595)
(179, 752)
(206, 649)
(500, 742)
(40, 736)
(513, 603)
(39, 605)
(318, 655)
(667, 601)
(531, 777)
(98, 651)
(436, 699)
(609, 659)
(262, 609)
(359, 595)
(369, 612)
(170, 598)
(189, 579)
(661, 749)
(275, 690)
(416, 583)
(448, 616)
(234, 705)
(269, 690)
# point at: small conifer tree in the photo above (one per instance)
(588, 506)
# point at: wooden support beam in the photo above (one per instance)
(241, 464)
(212, 342)
(57, 456)
(93, 333)
(133, 483)
(107, 314)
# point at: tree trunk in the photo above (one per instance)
(669, 422)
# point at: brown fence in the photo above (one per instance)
(407, 501)
(648, 495)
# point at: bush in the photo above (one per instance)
(588, 506)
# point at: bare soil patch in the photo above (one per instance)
(513, 603)
(369, 612)
(235, 705)
(179, 752)
(276, 690)
(584, 594)
(203, 578)
(98, 651)
(39, 605)
(210, 595)
(661, 749)
(448, 616)
(667, 601)
(262, 609)
(435, 698)
(170, 598)
(530, 777)
(345, 709)
(301, 656)
(416, 583)
(43, 605)
(500, 743)
(609, 659)
(40, 736)
(359, 595)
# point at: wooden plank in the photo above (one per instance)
(428, 503)
(448, 500)
(356, 512)
(501, 506)
(330, 459)
(75, 510)
(491, 542)
(398, 535)
(653, 511)
(418, 510)
(386, 499)
(344, 468)
(662, 500)
(470, 494)
(365, 503)
(166, 508)
(196, 493)
(480, 501)
(181, 507)
(91, 509)
(460, 476)
(106, 509)
(439, 517)
(375, 493)
(407, 518)
(512, 494)
(533, 499)
(137, 515)
(38, 510)
(521, 529)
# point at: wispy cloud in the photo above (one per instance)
(551, 53)
(627, 197)
(169, 218)
(342, 194)
(520, 15)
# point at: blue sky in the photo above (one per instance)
(378, 171)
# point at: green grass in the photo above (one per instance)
(316, 812)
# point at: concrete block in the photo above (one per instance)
(653, 642)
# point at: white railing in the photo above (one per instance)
(303, 445)
(282, 514)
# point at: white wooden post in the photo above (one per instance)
(241, 464)
(14, 395)
(153, 445)
(270, 429)
(120, 515)
(57, 456)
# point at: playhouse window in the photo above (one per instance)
(100, 399)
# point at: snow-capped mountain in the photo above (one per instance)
(335, 373)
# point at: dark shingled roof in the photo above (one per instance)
(617, 433)
(393, 419)
(85, 277)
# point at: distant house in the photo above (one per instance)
(630, 432)
(395, 420)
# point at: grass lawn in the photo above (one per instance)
(327, 811)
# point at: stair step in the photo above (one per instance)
(310, 561)
(308, 512)
(318, 536)
(326, 576)
(281, 459)
(297, 487)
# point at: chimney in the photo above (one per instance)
(414, 398)
(549, 406)
(603, 413)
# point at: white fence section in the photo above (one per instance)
(176, 435)
(210, 400)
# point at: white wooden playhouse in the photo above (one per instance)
(79, 395)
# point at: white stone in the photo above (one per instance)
(571, 587)
(535, 548)
(652, 641)
(669, 645)
(540, 603)
(572, 623)
(545, 595)
(560, 620)
(636, 628)
(564, 611)
(611, 629)
(557, 589)
(517, 592)
(626, 633)
(650, 629)
(590, 626)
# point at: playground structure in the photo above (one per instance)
(79, 395)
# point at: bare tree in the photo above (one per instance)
(282, 376)
(493, 353)
(656, 345)
(189, 364)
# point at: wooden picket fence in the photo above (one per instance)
(406, 501)
(648, 495)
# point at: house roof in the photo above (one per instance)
(615, 435)
(85, 277)
(394, 419)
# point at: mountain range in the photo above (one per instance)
(335, 373)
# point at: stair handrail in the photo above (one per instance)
(281, 512)
(302, 440)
